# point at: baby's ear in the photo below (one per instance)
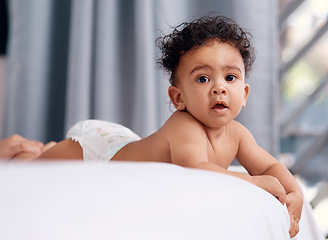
(176, 98)
(246, 93)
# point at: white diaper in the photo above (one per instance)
(100, 140)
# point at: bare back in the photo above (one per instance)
(180, 129)
(166, 144)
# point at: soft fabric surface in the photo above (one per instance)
(124, 200)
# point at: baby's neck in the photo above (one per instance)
(215, 133)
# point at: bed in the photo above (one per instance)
(126, 200)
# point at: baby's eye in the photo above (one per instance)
(203, 79)
(230, 78)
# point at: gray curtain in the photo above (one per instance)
(71, 60)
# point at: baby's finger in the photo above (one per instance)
(294, 228)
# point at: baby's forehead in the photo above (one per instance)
(212, 42)
(212, 49)
(215, 56)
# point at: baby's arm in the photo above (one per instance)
(188, 143)
(191, 155)
(260, 163)
(294, 197)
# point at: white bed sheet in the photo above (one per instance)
(125, 200)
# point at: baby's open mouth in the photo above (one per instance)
(219, 106)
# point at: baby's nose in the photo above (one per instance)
(219, 90)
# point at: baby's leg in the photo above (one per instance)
(66, 149)
(28, 155)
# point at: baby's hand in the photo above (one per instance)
(294, 203)
(271, 185)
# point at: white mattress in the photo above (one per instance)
(125, 200)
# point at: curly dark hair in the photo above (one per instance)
(190, 34)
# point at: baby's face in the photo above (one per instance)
(211, 80)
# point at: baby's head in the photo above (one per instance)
(194, 34)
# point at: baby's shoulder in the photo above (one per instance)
(237, 129)
(183, 119)
(182, 123)
(235, 125)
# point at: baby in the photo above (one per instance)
(208, 60)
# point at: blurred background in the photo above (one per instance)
(303, 83)
(63, 61)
